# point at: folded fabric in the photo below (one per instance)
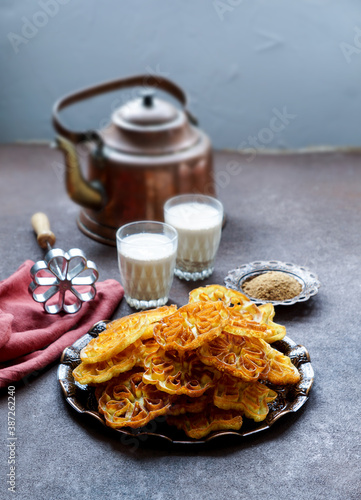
(30, 338)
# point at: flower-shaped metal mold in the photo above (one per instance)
(308, 280)
(289, 400)
(63, 281)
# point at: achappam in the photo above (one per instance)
(121, 333)
(248, 358)
(128, 402)
(191, 326)
(198, 425)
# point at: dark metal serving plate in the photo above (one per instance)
(290, 399)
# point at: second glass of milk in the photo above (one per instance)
(198, 221)
(146, 256)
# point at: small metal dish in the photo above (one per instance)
(308, 280)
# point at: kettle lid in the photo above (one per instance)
(149, 125)
(147, 110)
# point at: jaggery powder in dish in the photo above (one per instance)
(273, 285)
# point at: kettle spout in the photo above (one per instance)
(79, 189)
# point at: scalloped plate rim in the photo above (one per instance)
(258, 266)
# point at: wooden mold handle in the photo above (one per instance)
(41, 226)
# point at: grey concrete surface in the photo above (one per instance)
(304, 209)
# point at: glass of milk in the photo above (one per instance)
(198, 221)
(146, 256)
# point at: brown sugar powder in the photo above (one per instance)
(273, 285)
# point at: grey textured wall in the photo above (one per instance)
(269, 73)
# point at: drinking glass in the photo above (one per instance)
(198, 221)
(146, 256)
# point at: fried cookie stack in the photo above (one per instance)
(205, 365)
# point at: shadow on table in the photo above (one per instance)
(298, 311)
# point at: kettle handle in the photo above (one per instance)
(133, 81)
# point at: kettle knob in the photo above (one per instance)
(147, 96)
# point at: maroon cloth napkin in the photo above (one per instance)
(30, 338)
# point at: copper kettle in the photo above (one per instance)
(149, 152)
